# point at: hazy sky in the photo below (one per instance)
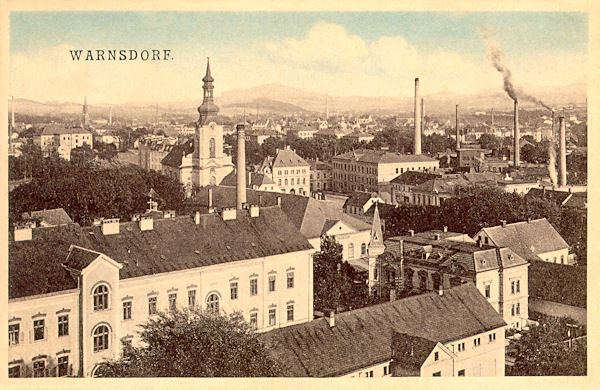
(352, 53)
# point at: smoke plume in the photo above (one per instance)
(497, 57)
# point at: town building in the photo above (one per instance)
(456, 333)
(403, 184)
(304, 132)
(320, 175)
(55, 137)
(47, 218)
(359, 136)
(419, 262)
(289, 171)
(362, 170)
(255, 181)
(359, 202)
(532, 240)
(260, 136)
(152, 150)
(179, 163)
(77, 294)
(435, 191)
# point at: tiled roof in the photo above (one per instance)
(319, 165)
(527, 239)
(175, 156)
(256, 179)
(52, 217)
(307, 214)
(173, 244)
(560, 283)
(413, 178)
(578, 200)
(362, 338)
(288, 158)
(359, 199)
(79, 258)
(440, 185)
(54, 128)
(411, 351)
(383, 157)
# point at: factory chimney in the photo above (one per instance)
(563, 152)
(492, 124)
(110, 116)
(417, 148)
(517, 136)
(552, 135)
(457, 131)
(422, 117)
(241, 167)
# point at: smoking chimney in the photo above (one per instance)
(563, 152)
(241, 167)
(457, 132)
(417, 148)
(517, 135)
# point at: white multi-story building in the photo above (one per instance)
(289, 171)
(76, 295)
(63, 139)
(456, 333)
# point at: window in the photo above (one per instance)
(254, 320)
(436, 356)
(272, 283)
(363, 249)
(101, 338)
(13, 334)
(14, 372)
(512, 310)
(63, 366)
(488, 291)
(518, 308)
(290, 312)
(518, 286)
(272, 317)
(370, 375)
(461, 347)
(555, 259)
(438, 373)
(39, 369)
(386, 370)
(375, 275)
(63, 326)
(279, 182)
(38, 330)
(303, 180)
(512, 287)
(461, 372)
(562, 259)
(152, 306)
(286, 182)
(292, 181)
(211, 146)
(172, 301)
(234, 290)
(492, 337)
(212, 303)
(101, 298)
(350, 251)
(192, 299)
(253, 287)
(127, 310)
(290, 280)
(477, 342)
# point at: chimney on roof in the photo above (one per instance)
(441, 291)
(503, 222)
(210, 197)
(528, 220)
(279, 201)
(241, 167)
(259, 200)
(110, 226)
(417, 148)
(411, 232)
(229, 213)
(197, 218)
(254, 211)
(330, 314)
(146, 223)
(445, 229)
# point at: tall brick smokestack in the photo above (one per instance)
(241, 167)
(552, 132)
(417, 148)
(422, 117)
(457, 131)
(563, 152)
(517, 136)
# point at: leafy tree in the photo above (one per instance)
(105, 151)
(544, 350)
(336, 284)
(489, 141)
(193, 343)
(82, 155)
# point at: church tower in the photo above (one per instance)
(376, 247)
(86, 118)
(209, 163)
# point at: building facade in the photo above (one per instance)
(289, 171)
(63, 139)
(320, 175)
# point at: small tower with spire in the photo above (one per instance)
(376, 246)
(208, 110)
(85, 119)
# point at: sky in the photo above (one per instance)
(339, 53)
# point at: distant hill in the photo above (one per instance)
(264, 105)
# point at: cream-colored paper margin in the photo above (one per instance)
(592, 7)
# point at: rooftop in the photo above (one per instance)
(288, 158)
(51, 217)
(413, 178)
(383, 157)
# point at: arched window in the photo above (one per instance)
(212, 303)
(101, 298)
(363, 249)
(212, 181)
(286, 182)
(350, 251)
(101, 338)
(211, 148)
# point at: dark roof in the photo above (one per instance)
(363, 337)
(383, 157)
(79, 258)
(411, 351)
(560, 283)
(527, 239)
(173, 244)
(558, 197)
(359, 199)
(577, 201)
(52, 217)
(288, 158)
(441, 185)
(256, 179)
(55, 128)
(175, 156)
(307, 214)
(413, 178)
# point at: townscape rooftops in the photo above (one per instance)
(413, 178)
(256, 179)
(52, 217)
(288, 158)
(527, 239)
(383, 157)
(363, 337)
(175, 156)
(359, 199)
(173, 244)
(57, 129)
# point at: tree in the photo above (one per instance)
(82, 155)
(545, 350)
(193, 343)
(336, 285)
(489, 141)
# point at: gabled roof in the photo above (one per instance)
(288, 158)
(359, 199)
(173, 244)
(411, 351)
(440, 185)
(79, 257)
(413, 178)
(256, 179)
(54, 129)
(527, 239)
(383, 157)
(363, 337)
(51, 217)
(175, 156)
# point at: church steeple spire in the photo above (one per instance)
(208, 107)
(376, 234)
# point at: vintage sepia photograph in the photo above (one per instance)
(300, 194)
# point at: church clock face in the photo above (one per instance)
(212, 125)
